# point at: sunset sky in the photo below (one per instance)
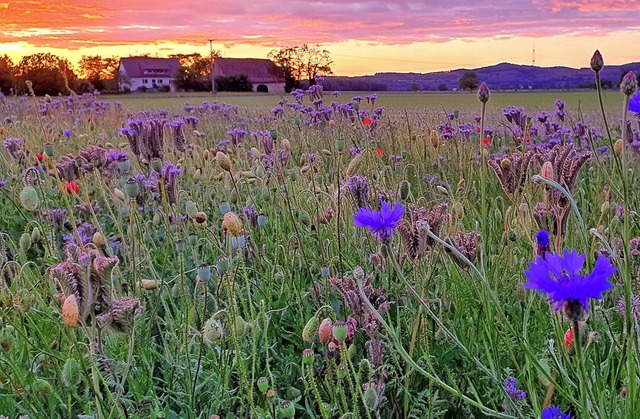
(363, 37)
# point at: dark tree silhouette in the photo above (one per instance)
(49, 74)
(100, 72)
(469, 81)
(302, 62)
(194, 72)
(7, 75)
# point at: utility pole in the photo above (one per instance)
(213, 84)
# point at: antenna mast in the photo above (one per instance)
(533, 54)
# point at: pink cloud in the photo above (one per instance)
(76, 24)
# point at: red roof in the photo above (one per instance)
(258, 70)
(150, 67)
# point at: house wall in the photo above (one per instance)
(133, 83)
(273, 87)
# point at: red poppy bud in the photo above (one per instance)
(379, 151)
(366, 120)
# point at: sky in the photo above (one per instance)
(362, 36)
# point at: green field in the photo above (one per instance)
(322, 263)
(534, 100)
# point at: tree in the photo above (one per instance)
(7, 75)
(194, 72)
(237, 83)
(302, 62)
(49, 74)
(469, 81)
(99, 71)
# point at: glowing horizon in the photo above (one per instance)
(362, 37)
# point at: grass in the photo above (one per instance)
(237, 258)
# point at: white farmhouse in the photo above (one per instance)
(147, 73)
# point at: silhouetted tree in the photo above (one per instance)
(469, 81)
(302, 62)
(7, 75)
(237, 83)
(49, 74)
(99, 71)
(443, 88)
(194, 72)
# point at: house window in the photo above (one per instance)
(145, 81)
(153, 81)
(159, 81)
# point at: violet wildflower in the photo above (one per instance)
(553, 412)
(634, 104)
(510, 386)
(380, 223)
(2, 183)
(559, 277)
(542, 241)
(67, 133)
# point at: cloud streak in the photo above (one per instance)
(74, 24)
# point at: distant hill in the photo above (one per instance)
(503, 76)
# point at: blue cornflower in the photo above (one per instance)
(380, 223)
(553, 412)
(559, 277)
(634, 103)
(510, 386)
(542, 240)
(67, 133)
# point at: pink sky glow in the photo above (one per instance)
(363, 37)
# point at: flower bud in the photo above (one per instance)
(204, 273)
(29, 198)
(354, 165)
(325, 331)
(597, 62)
(547, 170)
(97, 239)
(71, 373)
(223, 161)
(618, 147)
(70, 311)
(286, 144)
(118, 194)
(231, 223)
(483, 92)
(370, 397)
(629, 83)
(25, 242)
(191, 209)
(310, 329)
(405, 188)
(212, 330)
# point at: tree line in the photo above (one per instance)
(53, 75)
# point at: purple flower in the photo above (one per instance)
(380, 223)
(559, 277)
(542, 240)
(2, 183)
(510, 386)
(634, 103)
(67, 133)
(553, 412)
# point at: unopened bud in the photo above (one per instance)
(483, 92)
(629, 83)
(231, 223)
(223, 161)
(547, 170)
(597, 62)
(618, 147)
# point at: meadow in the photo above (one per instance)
(320, 255)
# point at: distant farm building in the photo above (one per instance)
(263, 74)
(144, 73)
